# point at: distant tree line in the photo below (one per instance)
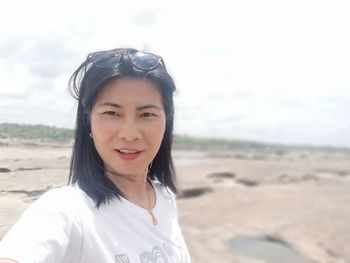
(40, 132)
(44, 132)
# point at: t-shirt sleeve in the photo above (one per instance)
(43, 232)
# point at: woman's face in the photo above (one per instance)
(128, 123)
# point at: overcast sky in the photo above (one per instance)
(273, 71)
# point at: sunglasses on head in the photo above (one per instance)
(141, 60)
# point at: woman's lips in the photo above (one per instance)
(128, 154)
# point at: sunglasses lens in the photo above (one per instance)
(144, 61)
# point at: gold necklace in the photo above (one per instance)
(149, 209)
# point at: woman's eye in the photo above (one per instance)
(111, 113)
(148, 114)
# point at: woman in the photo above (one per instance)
(120, 205)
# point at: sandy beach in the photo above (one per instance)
(295, 198)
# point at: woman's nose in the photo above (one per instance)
(129, 131)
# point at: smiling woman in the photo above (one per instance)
(120, 204)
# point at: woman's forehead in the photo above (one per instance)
(130, 90)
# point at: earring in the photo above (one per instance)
(90, 134)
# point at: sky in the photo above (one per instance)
(270, 71)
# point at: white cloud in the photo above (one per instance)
(270, 70)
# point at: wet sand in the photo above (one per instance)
(300, 197)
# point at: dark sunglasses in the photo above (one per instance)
(141, 60)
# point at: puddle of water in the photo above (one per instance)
(267, 249)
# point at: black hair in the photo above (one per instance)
(86, 167)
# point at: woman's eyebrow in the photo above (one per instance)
(115, 105)
(148, 107)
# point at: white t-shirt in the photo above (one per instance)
(65, 226)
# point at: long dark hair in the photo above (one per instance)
(87, 168)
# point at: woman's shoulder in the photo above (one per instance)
(62, 193)
(62, 198)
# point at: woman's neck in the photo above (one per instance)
(132, 185)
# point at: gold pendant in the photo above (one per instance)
(155, 222)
